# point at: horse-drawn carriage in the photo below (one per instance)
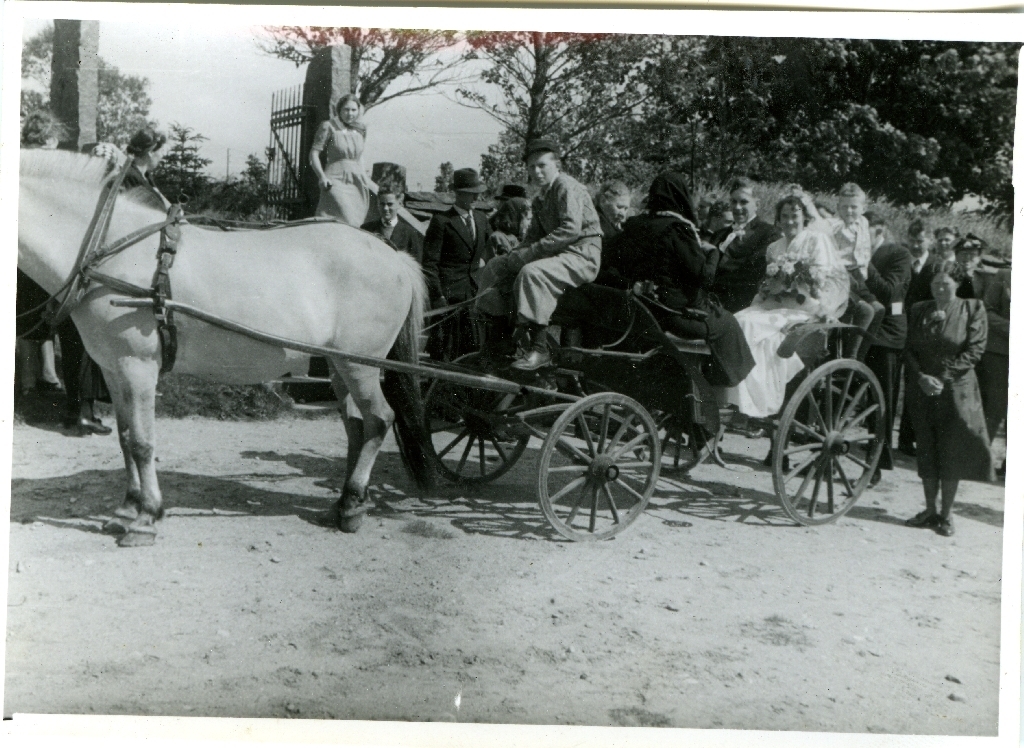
(606, 416)
(250, 304)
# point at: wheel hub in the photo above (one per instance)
(604, 469)
(836, 443)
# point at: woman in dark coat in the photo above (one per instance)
(945, 340)
(663, 246)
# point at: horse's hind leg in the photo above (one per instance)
(363, 384)
(137, 383)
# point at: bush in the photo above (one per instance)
(181, 395)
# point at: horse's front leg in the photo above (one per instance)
(129, 509)
(364, 387)
(138, 379)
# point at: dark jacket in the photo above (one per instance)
(743, 264)
(888, 280)
(403, 238)
(992, 288)
(448, 253)
(608, 230)
(920, 282)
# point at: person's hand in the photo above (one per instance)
(325, 183)
(515, 262)
(930, 386)
(879, 308)
(441, 303)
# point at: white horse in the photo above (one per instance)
(323, 284)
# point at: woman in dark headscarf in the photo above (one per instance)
(662, 246)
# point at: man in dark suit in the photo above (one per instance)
(391, 227)
(888, 280)
(743, 246)
(922, 269)
(454, 240)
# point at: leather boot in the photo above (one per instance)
(539, 354)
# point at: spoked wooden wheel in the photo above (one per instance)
(472, 441)
(598, 466)
(825, 450)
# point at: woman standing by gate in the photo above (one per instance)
(344, 187)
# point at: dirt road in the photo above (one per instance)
(713, 611)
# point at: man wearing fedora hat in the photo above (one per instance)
(453, 239)
(562, 250)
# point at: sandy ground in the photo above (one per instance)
(712, 611)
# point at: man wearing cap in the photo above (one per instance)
(453, 239)
(992, 286)
(562, 250)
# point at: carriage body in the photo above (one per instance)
(622, 405)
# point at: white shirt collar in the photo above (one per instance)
(920, 261)
(393, 222)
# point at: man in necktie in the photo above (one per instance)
(454, 239)
(391, 227)
(743, 247)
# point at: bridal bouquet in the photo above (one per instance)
(792, 276)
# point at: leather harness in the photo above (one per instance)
(92, 254)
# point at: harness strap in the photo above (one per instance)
(94, 236)
(170, 236)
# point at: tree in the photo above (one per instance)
(573, 88)
(182, 172)
(443, 181)
(916, 121)
(124, 102)
(386, 63)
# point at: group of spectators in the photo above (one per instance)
(931, 310)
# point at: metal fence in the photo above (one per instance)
(292, 126)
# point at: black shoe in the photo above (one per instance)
(876, 478)
(944, 527)
(923, 519)
(92, 426)
(908, 449)
(533, 360)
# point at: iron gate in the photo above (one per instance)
(292, 126)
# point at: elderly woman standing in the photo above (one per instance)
(945, 340)
(344, 187)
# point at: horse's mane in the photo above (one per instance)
(78, 168)
(66, 166)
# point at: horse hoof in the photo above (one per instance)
(136, 539)
(350, 524)
(114, 527)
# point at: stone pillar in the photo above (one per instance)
(328, 78)
(74, 83)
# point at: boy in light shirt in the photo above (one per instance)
(853, 239)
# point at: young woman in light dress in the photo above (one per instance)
(344, 187)
(767, 320)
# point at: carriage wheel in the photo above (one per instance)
(470, 444)
(598, 466)
(825, 450)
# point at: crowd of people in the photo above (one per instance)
(925, 312)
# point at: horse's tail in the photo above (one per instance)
(402, 391)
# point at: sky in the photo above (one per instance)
(215, 80)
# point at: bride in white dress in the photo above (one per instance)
(805, 280)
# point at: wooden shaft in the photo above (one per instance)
(477, 381)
